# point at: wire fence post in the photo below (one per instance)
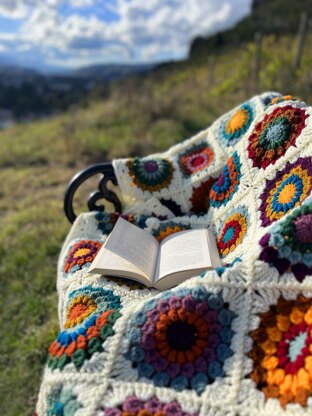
(300, 40)
(257, 61)
(211, 69)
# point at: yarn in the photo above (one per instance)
(166, 229)
(287, 190)
(150, 174)
(152, 407)
(282, 353)
(81, 255)
(232, 230)
(176, 345)
(62, 402)
(106, 222)
(195, 159)
(234, 126)
(227, 184)
(200, 199)
(289, 246)
(90, 316)
(275, 134)
(236, 340)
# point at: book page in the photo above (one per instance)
(186, 250)
(138, 248)
(213, 250)
(114, 265)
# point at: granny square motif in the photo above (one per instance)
(233, 341)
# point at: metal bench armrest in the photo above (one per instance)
(108, 175)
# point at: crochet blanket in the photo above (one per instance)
(233, 341)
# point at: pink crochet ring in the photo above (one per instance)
(235, 340)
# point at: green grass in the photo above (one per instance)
(37, 160)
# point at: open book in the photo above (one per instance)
(133, 253)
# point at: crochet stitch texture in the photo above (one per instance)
(233, 341)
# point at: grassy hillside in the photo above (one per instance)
(37, 160)
(278, 17)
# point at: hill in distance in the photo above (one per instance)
(28, 94)
(278, 17)
(135, 115)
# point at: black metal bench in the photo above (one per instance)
(108, 175)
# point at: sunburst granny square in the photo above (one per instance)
(234, 341)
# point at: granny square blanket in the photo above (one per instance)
(235, 341)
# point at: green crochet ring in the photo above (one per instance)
(236, 340)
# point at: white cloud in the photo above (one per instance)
(145, 29)
(14, 9)
(18, 9)
(82, 3)
(8, 37)
(154, 26)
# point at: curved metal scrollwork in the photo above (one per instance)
(107, 170)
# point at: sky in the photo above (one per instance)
(57, 34)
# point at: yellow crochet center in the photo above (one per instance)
(287, 194)
(81, 252)
(237, 121)
(79, 310)
(304, 175)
